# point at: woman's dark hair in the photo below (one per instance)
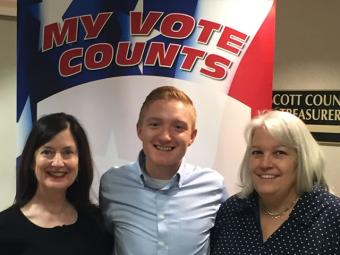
(42, 132)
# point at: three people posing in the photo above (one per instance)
(161, 204)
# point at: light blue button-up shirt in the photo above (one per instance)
(175, 220)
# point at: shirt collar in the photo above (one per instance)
(181, 174)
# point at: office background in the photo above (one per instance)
(307, 57)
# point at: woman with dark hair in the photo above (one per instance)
(52, 212)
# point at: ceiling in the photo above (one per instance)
(8, 7)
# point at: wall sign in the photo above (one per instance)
(320, 110)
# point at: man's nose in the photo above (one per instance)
(165, 134)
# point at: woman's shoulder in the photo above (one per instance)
(234, 199)
(321, 196)
(319, 204)
(9, 217)
(91, 221)
(236, 203)
(8, 213)
(89, 210)
(91, 216)
(332, 202)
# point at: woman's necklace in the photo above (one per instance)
(276, 215)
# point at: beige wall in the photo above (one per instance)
(7, 110)
(306, 57)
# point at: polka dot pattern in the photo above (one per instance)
(313, 227)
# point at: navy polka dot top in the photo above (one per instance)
(313, 227)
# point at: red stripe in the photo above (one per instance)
(252, 83)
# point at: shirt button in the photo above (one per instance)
(161, 243)
(161, 216)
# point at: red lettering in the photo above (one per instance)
(191, 56)
(208, 28)
(122, 58)
(186, 25)
(98, 56)
(93, 28)
(157, 52)
(138, 27)
(217, 67)
(232, 40)
(54, 34)
(65, 67)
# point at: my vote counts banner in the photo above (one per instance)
(99, 59)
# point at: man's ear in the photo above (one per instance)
(193, 136)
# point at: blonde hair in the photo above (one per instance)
(166, 93)
(290, 131)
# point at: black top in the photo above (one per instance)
(313, 227)
(19, 236)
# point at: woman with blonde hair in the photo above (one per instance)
(284, 206)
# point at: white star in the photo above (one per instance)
(24, 126)
(52, 12)
(139, 8)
